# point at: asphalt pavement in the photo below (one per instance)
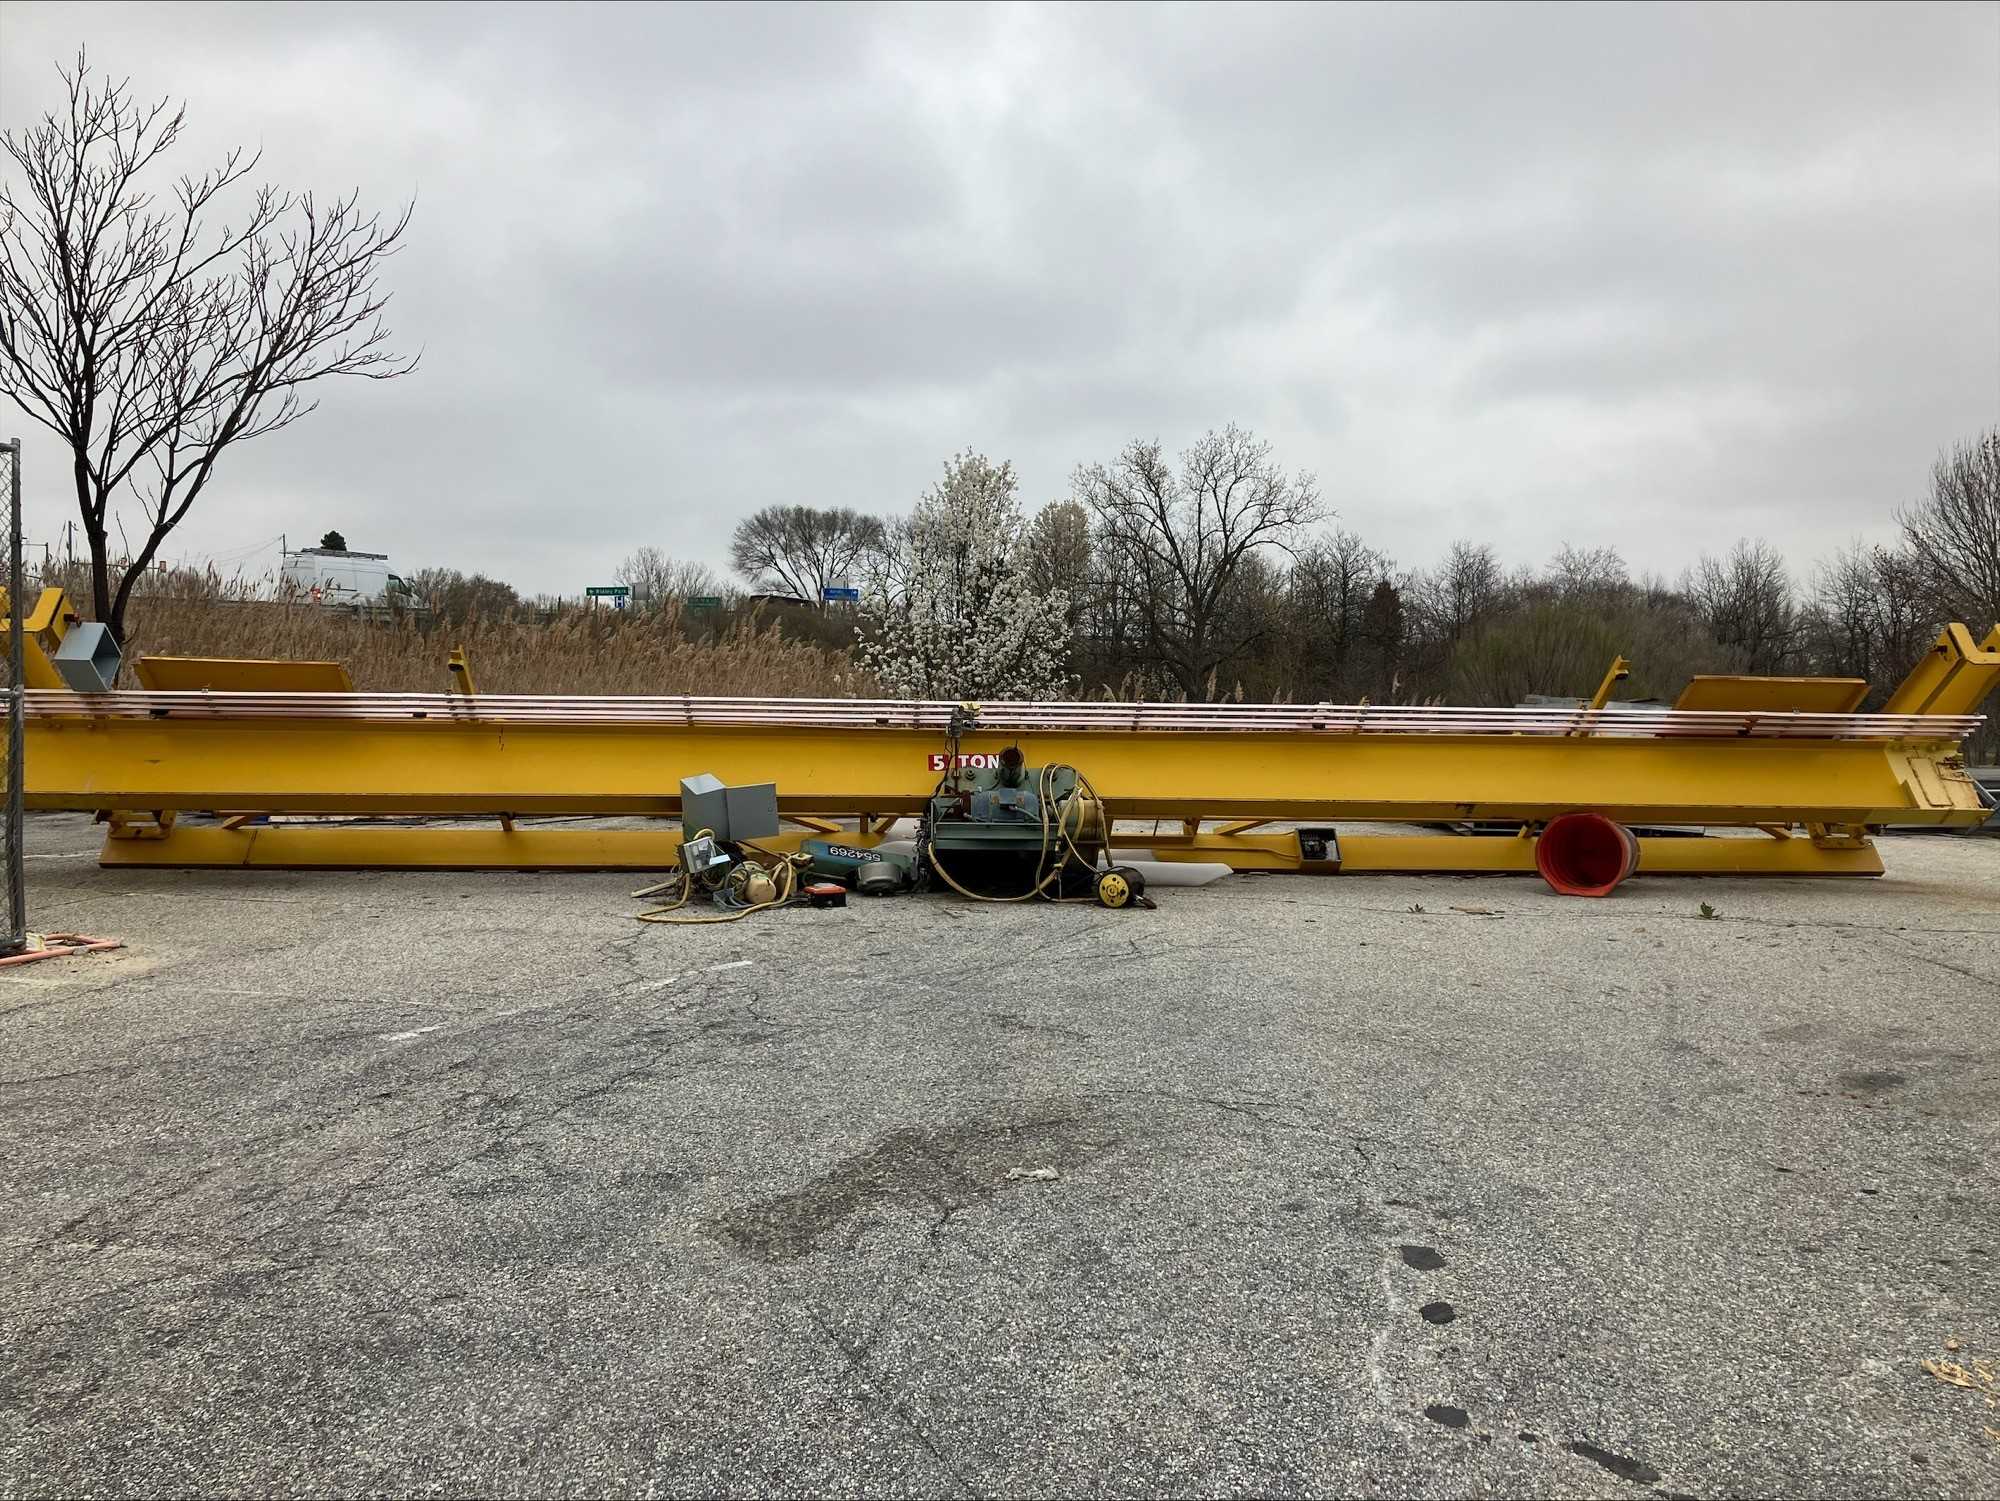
(400, 1183)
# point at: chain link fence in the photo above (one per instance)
(15, 938)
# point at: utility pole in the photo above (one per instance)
(16, 936)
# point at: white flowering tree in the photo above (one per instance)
(947, 607)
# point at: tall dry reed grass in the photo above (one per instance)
(576, 650)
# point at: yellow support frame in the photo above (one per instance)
(464, 762)
(1505, 854)
(385, 846)
(1954, 676)
(391, 846)
(42, 631)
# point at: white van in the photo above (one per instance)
(343, 578)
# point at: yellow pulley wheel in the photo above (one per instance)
(1113, 890)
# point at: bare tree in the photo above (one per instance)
(1868, 614)
(1333, 580)
(656, 578)
(1461, 591)
(1747, 603)
(1954, 532)
(454, 598)
(150, 345)
(1581, 573)
(1183, 535)
(1842, 614)
(803, 550)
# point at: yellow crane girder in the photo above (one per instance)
(447, 765)
(149, 756)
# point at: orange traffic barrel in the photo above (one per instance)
(1586, 854)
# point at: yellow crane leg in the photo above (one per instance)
(1953, 677)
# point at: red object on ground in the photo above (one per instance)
(61, 945)
(1585, 854)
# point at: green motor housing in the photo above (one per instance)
(871, 872)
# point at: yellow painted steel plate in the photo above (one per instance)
(1774, 695)
(240, 675)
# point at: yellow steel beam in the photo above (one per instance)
(1775, 695)
(460, 683)
(1504, 854)
(1237, 851)
(818, 825)
(42, 631)
(379, 846)
(458, 674)
(391, 846)
(1954, 676)
(1616, 673)
(362, 846)
(453, 765)
(240, 674)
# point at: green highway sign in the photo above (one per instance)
(612, 590)
(705, 602)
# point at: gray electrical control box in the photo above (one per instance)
(732, 814)
(88, 658)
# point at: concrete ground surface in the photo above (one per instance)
(470, 1183)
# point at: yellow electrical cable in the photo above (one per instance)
(1085, 790)
(656, 914)
(1043, 870)
(784, 873)
(1041, 860)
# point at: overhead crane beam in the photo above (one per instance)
(469, 757)
(1811, 782)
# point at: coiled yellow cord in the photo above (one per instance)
(782, 869)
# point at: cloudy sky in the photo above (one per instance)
(1652, 277)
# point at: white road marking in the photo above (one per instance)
(406, 1036)
(1378, 1347)
(733, 964)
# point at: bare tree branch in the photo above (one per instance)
(1184, 542)
(802, 550)
(151, 344)
(1954, 532)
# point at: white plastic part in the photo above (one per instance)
(1171, 872)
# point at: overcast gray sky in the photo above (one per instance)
(1652, 277)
